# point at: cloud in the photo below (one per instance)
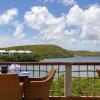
(46, 0)
(8, 16)
(3, 38)
(75, 16)
(68, 2)
(19, 33)
(65, 2)
(50, 27)
(78, 27)
(87, 21)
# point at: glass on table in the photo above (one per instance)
(24, 73)
(4, 69)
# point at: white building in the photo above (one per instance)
(15, 52)
(3, 52)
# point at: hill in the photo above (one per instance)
(45, 51)
(85, 53)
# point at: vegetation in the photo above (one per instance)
(81, 86)
(44, 51)
(20, 57)
(51, 51)
(86, 87)
(85, 53)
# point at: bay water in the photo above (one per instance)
(83, 68)
(75, 69)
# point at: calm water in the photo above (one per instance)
(83, 69)
(62, 68)
(75, 59)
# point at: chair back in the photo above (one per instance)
(39, 90)
(9, 87)
(51, 74)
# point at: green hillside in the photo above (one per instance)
(46, 51)
(85, 53)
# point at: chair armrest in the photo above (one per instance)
(21, 84)
(21, 89)
(38, 83)
(37, 79)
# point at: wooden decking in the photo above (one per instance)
(75, 98)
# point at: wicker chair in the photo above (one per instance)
(38, 88)
(10, 88)
(98, 72)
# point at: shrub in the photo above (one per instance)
(20, 57)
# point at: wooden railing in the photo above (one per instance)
(73, 74)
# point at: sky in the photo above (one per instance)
(71, 24)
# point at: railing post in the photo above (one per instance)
(68, 81)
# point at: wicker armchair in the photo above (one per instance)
(98, 72)
(38, 88)
(10, 88)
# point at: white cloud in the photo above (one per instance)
(3, 38)
(65, 2)
(50, 27)
(68, 2)
(8, 16)
(79, 27)
(19, 33)
(46, 0)
(87, 21)
(91, 32)
(75, 16)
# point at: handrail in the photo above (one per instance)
(50, 63)
(37, 63)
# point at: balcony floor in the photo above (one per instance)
(75, 98)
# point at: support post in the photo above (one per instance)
(68, 81)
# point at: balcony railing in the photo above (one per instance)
(71, 78)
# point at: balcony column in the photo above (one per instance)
(68, 81)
